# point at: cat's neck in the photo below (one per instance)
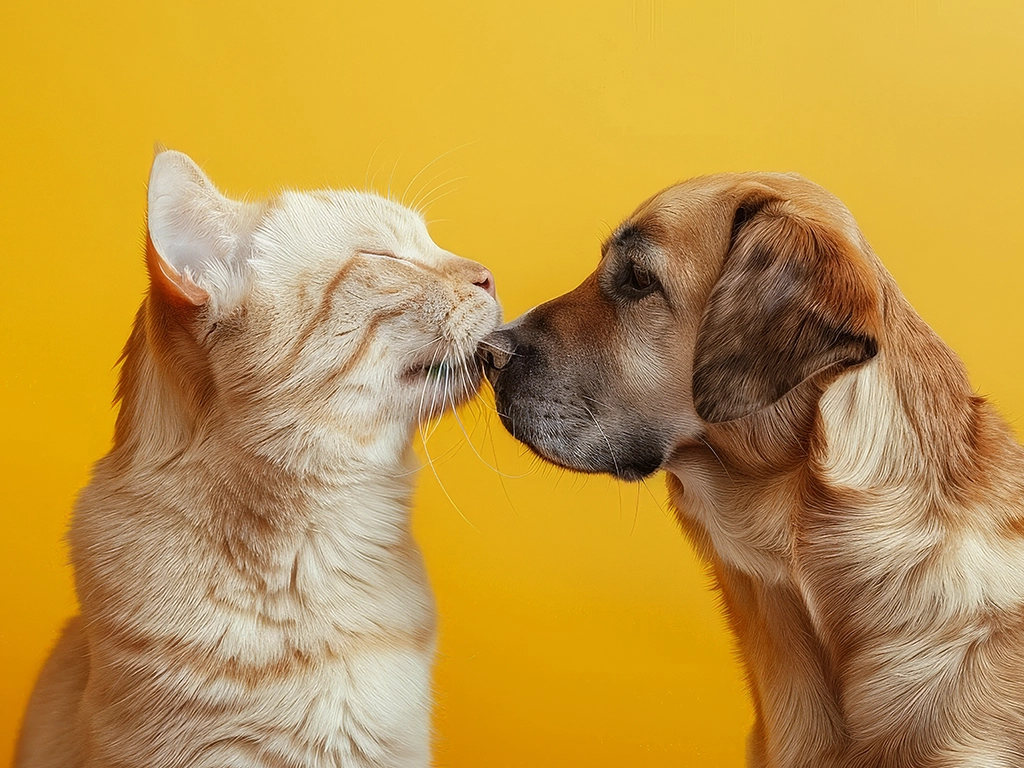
(252, 484)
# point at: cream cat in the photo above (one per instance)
(250, 591)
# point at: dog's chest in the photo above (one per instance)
(748, 529)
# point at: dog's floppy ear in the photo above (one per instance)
(793, 300)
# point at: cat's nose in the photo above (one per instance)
(472, 271)
(484, 279)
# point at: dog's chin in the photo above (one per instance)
(630, 471)
(629, 463)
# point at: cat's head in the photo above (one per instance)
(306, 317)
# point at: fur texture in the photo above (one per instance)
(861, 509)
(250, 591)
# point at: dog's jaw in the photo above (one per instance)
(555, 415)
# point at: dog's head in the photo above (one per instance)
(716, 300)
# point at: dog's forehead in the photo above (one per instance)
(702, 209)
(699, 196)
(685, 217)
(690, 210)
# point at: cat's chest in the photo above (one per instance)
(317, 588)
(366, 705)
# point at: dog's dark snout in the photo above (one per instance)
(496, 350)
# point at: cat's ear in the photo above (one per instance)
(194, 232)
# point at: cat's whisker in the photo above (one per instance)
(445, 491)
(433, 197)
(465, 382)
(425, 167)
(488, 404)
(433, 469)
(369, 184)
(436, 391)
(425, 205)
(412, 181)
(489, 437)
(392, 176)
(426, 186)
(435, 340)
(469, 440)
(489, 345)
(434, 416)
(421, 416)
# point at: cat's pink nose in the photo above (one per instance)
(485, 280)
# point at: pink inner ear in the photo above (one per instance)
(176, 286)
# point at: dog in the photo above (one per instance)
(861, 509)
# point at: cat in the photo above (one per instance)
(250, 591)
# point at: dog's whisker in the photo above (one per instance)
(717, 457)
(636, 511)
(607, 442)
(661, 506)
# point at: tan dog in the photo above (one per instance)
(862, 509)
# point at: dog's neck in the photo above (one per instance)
(822, 516)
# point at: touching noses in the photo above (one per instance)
(496, 351)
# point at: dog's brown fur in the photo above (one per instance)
(862, 510)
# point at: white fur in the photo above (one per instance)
(867, 431)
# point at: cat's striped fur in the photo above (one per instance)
(250, 591)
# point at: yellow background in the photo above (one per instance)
(577, 626)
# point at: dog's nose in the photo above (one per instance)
(496, 350)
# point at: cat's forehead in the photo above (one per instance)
(342, 219)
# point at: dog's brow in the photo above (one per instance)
(626, 235)
(626, 231)
(629, 237)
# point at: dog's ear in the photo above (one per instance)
(794, 300)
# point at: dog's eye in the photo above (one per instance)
(639, 279)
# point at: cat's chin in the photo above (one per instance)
(446, 370)
(444, 385)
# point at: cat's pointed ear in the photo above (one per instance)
(193, 230)
(177, 287)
